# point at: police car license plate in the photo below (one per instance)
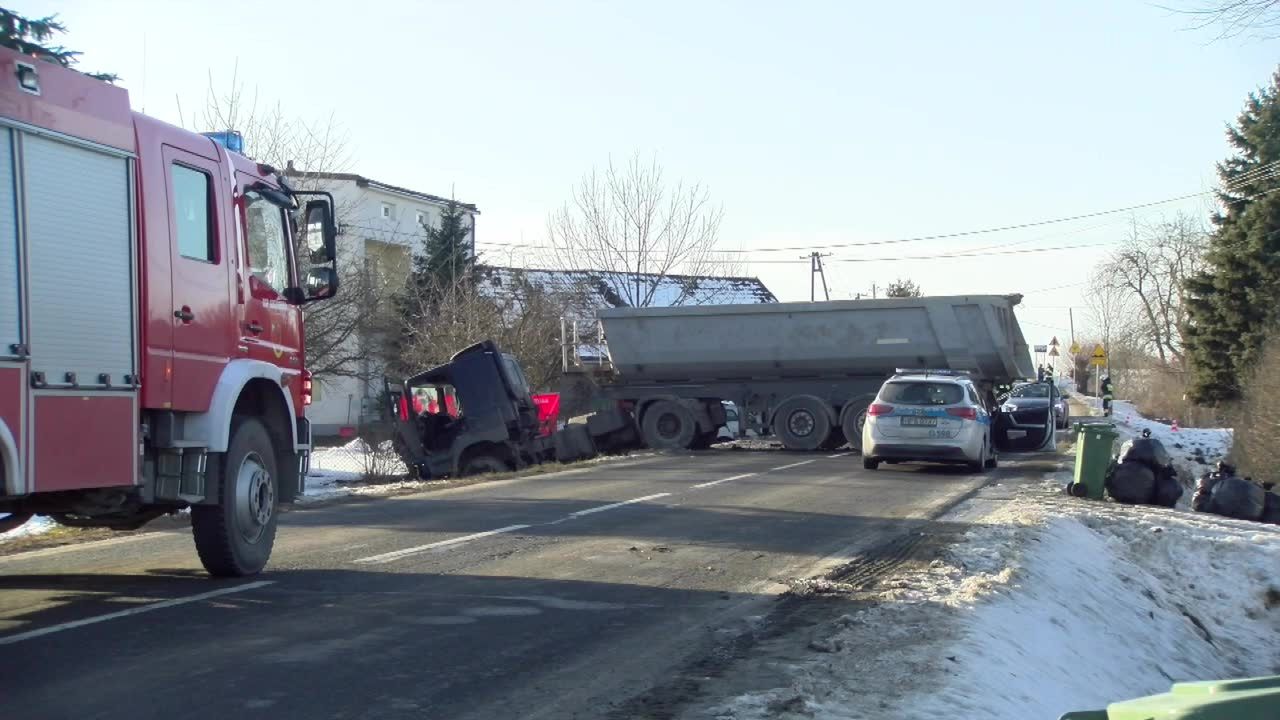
(912, 421)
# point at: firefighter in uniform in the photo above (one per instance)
(1108, 395)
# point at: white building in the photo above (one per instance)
(380, 226)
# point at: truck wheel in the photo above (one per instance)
(802, 423)
(870, 463)
(855, 418)
(484, 465)
(668, 426)
(234, 538)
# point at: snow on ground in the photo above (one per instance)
(34, 526)
(1049, 604)
(341, 470)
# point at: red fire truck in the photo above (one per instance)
(151, 343)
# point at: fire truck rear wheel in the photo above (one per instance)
(234, 538)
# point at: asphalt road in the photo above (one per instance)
(553, 596)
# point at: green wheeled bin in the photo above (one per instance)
(1246, 699)
(1094, 443)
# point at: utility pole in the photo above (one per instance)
(1071, 313)
(816, 269)
(873, 291)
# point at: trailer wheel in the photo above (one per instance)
(668, 426)
(234, 538)
(802, 423)
(855, 418)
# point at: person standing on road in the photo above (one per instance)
(1108, 395)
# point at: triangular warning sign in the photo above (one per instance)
(1098, 352)
(1054, 341)
(1053, 352)
(1075, 348)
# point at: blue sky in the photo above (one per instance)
(817, 123)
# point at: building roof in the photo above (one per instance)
(364, 182)
(603, 288)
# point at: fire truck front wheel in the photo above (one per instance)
(234, 538)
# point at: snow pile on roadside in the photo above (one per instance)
(1111, 603)
(334, 470)
(35, 526)
(1049, 604)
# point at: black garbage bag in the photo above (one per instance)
(1132, 482)
(1271, 509)
(1145, 450)
(1237, 498)
(1168, 489)
(1202, 500)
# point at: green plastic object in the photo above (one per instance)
(1094, 442)
(1246, 699)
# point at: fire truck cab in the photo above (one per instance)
(151, 336)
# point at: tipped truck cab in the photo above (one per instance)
(930, 416)
(151, 338)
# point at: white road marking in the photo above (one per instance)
(840, 454)
(725, 480)
(11, 639)
(632, 501)
(397, 554)
(796, 464)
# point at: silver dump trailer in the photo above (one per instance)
(805, 372)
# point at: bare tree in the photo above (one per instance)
(334, 328)
(442, 319)
(641, 231)
(1109, 307)
(1152, 268)
(1236, 17)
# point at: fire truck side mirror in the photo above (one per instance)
(321, 235)
(321, 283)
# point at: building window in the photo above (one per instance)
(420, 218)
(388, 211)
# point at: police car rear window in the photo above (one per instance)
(922, 393)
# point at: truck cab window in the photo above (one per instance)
(268, 258)
(192, 196)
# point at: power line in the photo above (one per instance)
(1263, 172)
(945, 256)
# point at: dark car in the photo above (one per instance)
(1028, 396)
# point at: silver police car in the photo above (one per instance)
(930, 416)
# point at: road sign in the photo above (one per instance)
(1075, 348)
(1054, 341)
(1099, 356)
(1053, 352)
(1042, 348)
